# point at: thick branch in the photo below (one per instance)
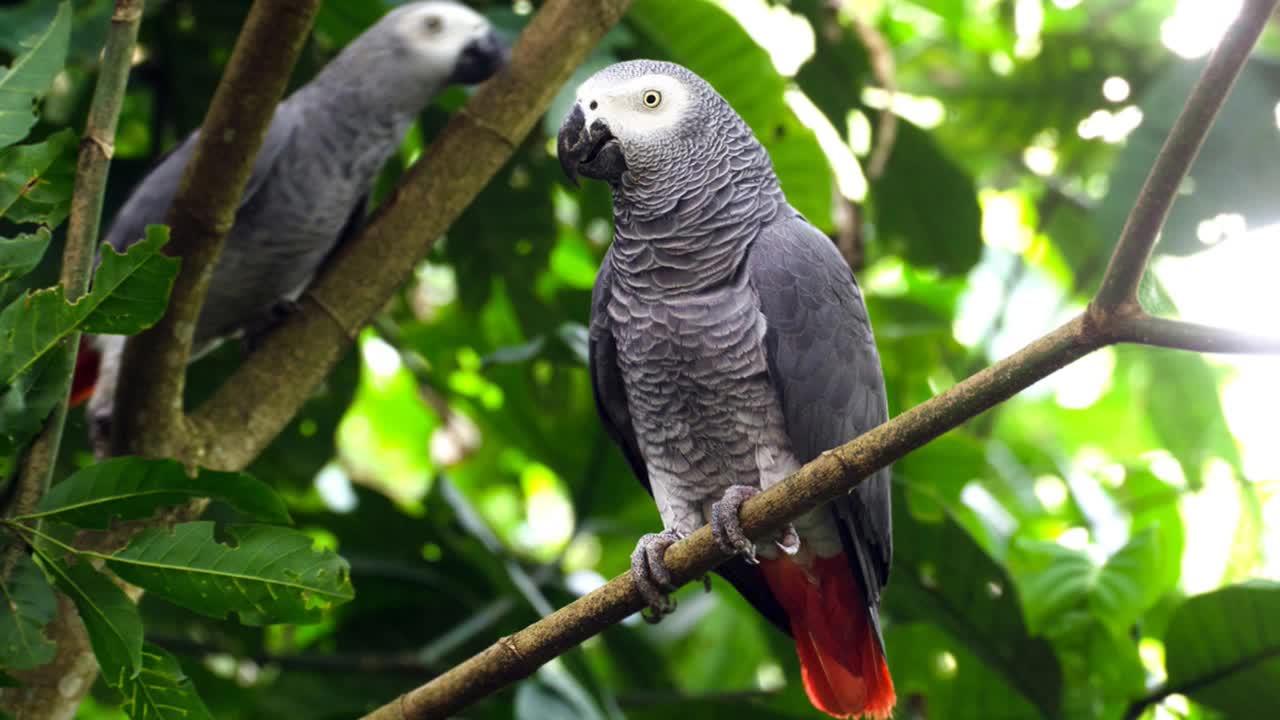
(267, 390)
(1146, 329)
(148, 418)
(1129, 261)
(831, 475)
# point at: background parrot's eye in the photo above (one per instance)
(651, 98)
(433, 24)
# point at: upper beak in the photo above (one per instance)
(480, 59)
(591, 151)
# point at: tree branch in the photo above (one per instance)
(1145, 329)
(251, 408)
(61, 684)
(838, 471)
(1141, 230)
(148, 418)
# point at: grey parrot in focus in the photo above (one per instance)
(729, 345)
(307, 192)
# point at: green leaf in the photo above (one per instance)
(942, 576)
(129, 294)
(716, 47)
(958, 684)
(162, 691)
(926, 205)
(26, 403)
(110, 617)
(131, 488)
(1056, 581)
(31, 75)
(271, 574)
(20, 255)
(1189, 422)
(1223, 649)
(36, 181)
(28, 606)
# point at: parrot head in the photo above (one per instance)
(429, 45)
(652, 120)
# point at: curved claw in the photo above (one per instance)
(726, 527)
(651, 576)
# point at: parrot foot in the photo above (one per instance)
(652, 579)
(255, 331)
(727, 528)
(789, 543)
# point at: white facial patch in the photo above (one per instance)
(634, 108)
(438, 31)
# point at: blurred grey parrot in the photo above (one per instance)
(307, 191)
(729, 344)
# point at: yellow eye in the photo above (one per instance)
(651, 98)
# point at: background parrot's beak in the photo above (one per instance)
(591, 151)
(480, 59)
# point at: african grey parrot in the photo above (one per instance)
(307, 191)
(729, 344)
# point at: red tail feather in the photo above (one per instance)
(844, 672)
(86, 373)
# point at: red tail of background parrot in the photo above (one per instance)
(844, 671)
(86, 372)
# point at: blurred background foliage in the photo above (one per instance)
(1109, 535)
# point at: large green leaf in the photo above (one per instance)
(28, 606)
(129, 294)
(943, 577)
(19, 255)
(926, 205)
(1056, 581)
(133, 488)
(36, 181)
(958, 684)
(161, 691)
(270, 575)
(110, 617)
(31, 75)
(712, 44)
(26, 403)
(1223, 649)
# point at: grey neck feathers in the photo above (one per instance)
(683, 222)
(357, 114)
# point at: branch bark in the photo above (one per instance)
(149, 418)
(255, 404)
(73, 668)
(1114, 316)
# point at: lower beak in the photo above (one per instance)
(591, 151)
(480, 59)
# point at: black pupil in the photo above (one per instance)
(651, 99)
(594, 104)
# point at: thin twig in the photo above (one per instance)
(148, 418)
(1145, 329)
(82, 235)
(1137, 707)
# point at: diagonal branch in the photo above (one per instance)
(1142, 228)
(1109, 319)
(149, 416)
(255, 404)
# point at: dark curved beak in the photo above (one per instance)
(591, 151)
(480, 59)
